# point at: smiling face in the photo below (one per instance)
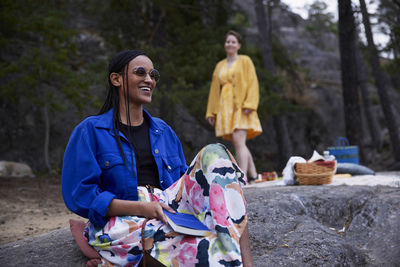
(232, 45)
(140, 86)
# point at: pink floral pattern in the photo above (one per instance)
(202, 191)
(198, 199)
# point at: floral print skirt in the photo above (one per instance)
(211, 189)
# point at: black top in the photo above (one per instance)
(146, 167)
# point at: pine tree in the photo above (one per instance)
(279, 121)
(381, 84)
(347, 45)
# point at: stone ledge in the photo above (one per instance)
(289, 226)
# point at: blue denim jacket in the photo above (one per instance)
(94, 172)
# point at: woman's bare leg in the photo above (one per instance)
(247, 259)
(241, 151)
(243, 155)
(251, 166)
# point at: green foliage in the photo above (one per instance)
(392, 68)
(43, 62)
(287, 76)
(40, 48)
(389, 21)
(184, 39)
(389, 24)
(319, 20)
(240, 20)
(374, 99)
(188, 61)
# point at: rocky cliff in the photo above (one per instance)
(321, 119)
(314, 125)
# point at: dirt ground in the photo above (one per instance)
(30, 207)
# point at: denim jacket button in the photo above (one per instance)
(107, 163)
(156, 151)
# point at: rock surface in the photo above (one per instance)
(57, 248)
(289, 226)
(15, 169)
(321, 225)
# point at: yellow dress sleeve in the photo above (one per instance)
(213, 96)
(253, 92)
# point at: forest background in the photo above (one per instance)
(319, 78)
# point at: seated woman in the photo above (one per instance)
(123, 167)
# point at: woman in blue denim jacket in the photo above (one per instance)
(123, 167)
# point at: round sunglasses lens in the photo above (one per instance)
(155, 75)
(140, 71)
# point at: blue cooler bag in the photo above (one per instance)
(343, 152)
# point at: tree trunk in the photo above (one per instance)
(279, 121)
(347, 45)
(395, 44)
(381, 84)
(264, 29)
(46, 138)
(362, 80)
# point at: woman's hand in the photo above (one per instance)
(247, 111)
(154, 210)
(150, 210)
(211, 121)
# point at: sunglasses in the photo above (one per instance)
(141, 72)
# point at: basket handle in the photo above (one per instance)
(341, 141)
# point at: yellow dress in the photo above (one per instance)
(228, 117)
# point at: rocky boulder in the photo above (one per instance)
(321, 225)
(289, 226)
(15, 169)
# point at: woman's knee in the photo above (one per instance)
(239, 138)
(216, 148)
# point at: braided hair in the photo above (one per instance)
(119, 64)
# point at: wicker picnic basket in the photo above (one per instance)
(315, 173)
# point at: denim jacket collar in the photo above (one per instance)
(106, 122)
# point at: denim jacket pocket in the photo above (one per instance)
(114, 173)
(172, 167)
(171, 163)
(108, 161)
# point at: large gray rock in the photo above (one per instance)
(289, 226)
(57, 248)
(319, 226)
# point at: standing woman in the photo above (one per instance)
(123, 168)
(233, 101)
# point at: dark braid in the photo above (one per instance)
(119, 64)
